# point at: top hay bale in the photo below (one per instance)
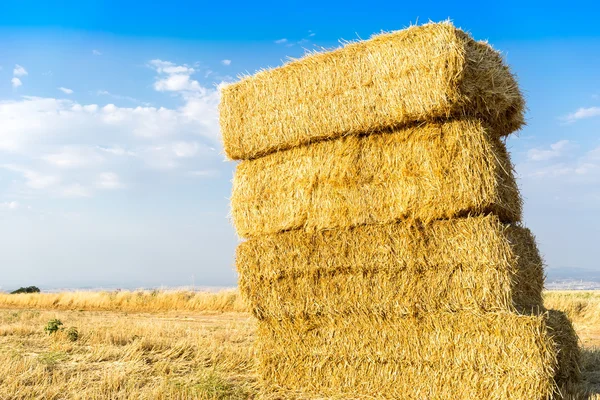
(423, 73)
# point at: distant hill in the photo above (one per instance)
(573, 273)
(572, 279)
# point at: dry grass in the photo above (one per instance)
(128, 301)
(426, 172)
(185, 353)
(474, 263)
(583, 309)
(423, 73)
(126, 356)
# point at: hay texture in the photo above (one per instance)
(385, 258)
(423, 73)
(568, 372)
(437, 356)
(395, 269)
(426, 172)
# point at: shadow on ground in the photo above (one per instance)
(590, 371)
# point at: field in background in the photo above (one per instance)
(128, 301)
(172, 345)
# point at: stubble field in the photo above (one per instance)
(168, 345)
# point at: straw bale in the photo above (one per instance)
(436, 356)
(427, 172)
(568, 373)
(423, 73)
(466, 263)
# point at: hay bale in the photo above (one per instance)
(437, 356)
(428, 172)
(566, 342)
(423, 73)
(394, 269)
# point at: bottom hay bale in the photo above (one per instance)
(437, 356)
(465, 263)
(568, 373)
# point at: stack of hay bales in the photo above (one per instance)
(385, 256)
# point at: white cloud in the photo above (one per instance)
(583, 113)
(74, 157)
(555, 170)
(9, 205)
(281, 41)
(108, 181)
(208, 173)
(96, 52)
(16, 82)
(120, 97)
(556, 150)
(582, 169)
(226, 62)
(74, 190)
(34, 179)
(159, 157)
(177, 77)
(19, 71)
(176, 83)
(63, 148)
(31, 119)
(594, 154)
(117, 151)
(202, 109)
(65, 90)
(167, 67)
(176, 69)
(67, 142)
(587, 169)
(185, 149)
(577, 170)
(171, 156)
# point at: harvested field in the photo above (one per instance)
(423, 73)
(185, 353)
(468, 263)
(123, 356)
(427, 172)
(129, 301)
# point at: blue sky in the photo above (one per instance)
(111, 168)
